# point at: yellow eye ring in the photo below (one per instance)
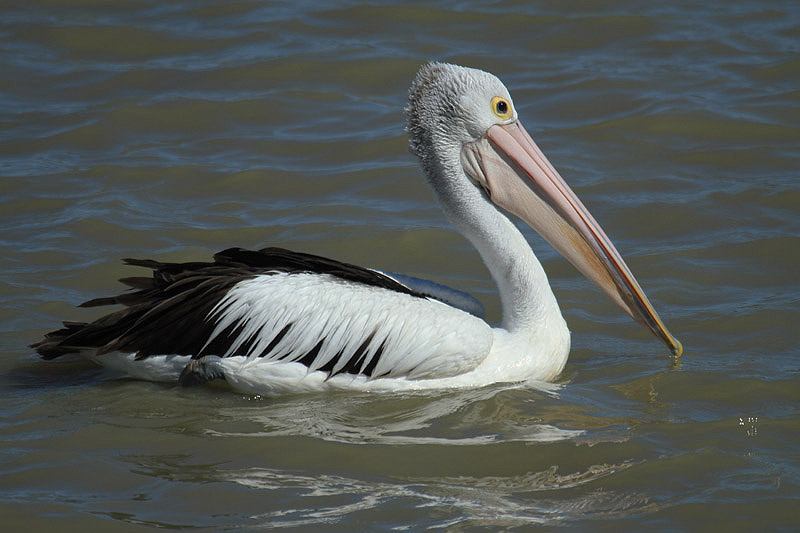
(501, 108)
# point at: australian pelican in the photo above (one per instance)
(273, 321)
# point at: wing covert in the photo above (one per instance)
(335, 325)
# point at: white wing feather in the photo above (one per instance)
(416, 337)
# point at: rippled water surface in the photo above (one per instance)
(175, 129)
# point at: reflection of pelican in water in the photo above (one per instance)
(276, 321)
(467, 417)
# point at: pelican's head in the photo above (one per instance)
(448, 109)
(468, 112)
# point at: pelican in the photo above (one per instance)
(274, 321)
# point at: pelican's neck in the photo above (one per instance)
(529, 306)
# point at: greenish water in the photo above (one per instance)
(172, 130)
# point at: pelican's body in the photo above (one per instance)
(275, 321)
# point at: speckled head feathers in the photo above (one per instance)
(449, 105)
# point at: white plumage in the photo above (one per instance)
(421, 338)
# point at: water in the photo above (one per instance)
(175, 129)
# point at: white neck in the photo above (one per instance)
(529, 306)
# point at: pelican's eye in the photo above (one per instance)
(501, 108)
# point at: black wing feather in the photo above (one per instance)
(169, 312)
